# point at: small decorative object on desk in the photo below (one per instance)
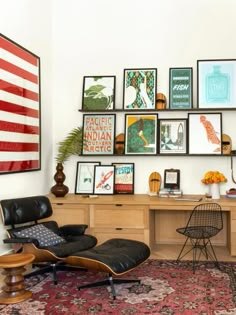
(213, 179)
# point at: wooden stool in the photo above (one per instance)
(14, 289)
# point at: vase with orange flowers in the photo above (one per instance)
(213, 179)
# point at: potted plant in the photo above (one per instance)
(71, 145)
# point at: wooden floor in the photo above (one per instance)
(172, 252)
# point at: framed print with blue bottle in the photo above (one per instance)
(216, 81)
(180, 88)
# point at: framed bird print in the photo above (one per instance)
(205, 133)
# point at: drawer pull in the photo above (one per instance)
(118, 205)
(59, 204)
(119, 229)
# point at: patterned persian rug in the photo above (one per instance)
(166, 288)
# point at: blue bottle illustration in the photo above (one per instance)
(217, 86)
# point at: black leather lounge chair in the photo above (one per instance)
(49, 243)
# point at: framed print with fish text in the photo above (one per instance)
(180, 88)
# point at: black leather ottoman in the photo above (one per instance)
(115, 257)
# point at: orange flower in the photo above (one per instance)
(213, 177)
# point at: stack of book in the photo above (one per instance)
(170, 193)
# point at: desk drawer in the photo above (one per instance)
(119, 216)
(105, 234)
(70, 213)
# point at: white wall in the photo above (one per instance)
(77, 38)
(105, 37)
(29, 24)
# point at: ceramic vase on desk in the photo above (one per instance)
(59, 190)
(214, 191)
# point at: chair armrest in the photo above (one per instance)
(21, 240)
(73, 229)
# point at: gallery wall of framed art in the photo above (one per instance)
(146, 131)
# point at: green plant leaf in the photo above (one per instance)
(71, 145)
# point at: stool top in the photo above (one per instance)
(15, 260)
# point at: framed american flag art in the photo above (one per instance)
(20, 147)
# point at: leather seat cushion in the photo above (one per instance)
(73, 244)
(120, 255)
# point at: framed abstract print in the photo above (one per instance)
(141, 134)
(104, 179)
(216, 81)
(205, 133)
(139, 91)
(180, 88)
(98, 93)
(124, 178)
(20, 136)
(173, 136)
(84, 182)
(98, 134)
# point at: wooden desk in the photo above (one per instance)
(150, 219)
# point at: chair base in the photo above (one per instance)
(202, 246)
(52, 268)
(110, 281)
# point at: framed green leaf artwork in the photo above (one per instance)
(98, 93)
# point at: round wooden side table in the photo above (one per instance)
(13, 291)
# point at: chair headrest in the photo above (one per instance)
(27, 209)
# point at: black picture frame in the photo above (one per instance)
(172, 179)
(205, 133)
(21, 108)
(141, 134)
(216, 84)
(181, 88)
(99, 134)
(139, 89)
(84, 181)
(99, 93)
(124, 178)
(173, 136)
(104, 179)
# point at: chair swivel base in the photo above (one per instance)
(14, 289)
(110, 281)
(115, 257)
